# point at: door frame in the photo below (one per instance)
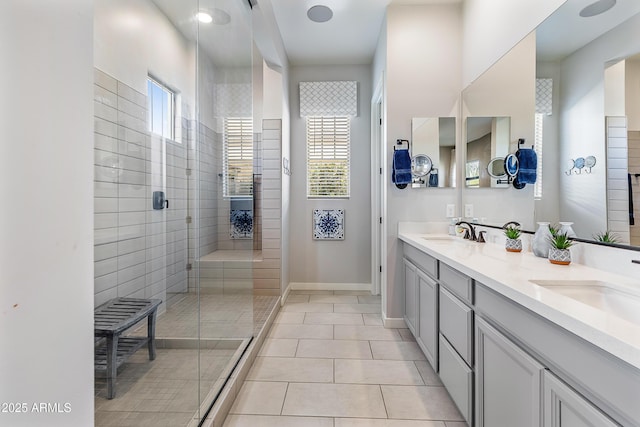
(378, 192)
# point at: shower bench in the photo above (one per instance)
(111, 320)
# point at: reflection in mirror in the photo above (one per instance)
(435, 138)
(594, 113)
(487, 138)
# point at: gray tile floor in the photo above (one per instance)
(329, 362)
(168, 390)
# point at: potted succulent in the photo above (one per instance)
(513, 242)
(606, 237)
(559, 251)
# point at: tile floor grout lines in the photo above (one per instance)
(393, 382)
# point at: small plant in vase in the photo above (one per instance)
(559, 252)
(606, 237)
(513, 242)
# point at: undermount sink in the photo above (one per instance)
(598, 294)
(440, 237)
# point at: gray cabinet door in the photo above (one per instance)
(563, 407)
(428, 318)
(411, 297)
(508, 381)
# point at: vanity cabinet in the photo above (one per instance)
(411, 296)
(606, 384)
(421, 300)
(503, 364)
(427, 336)
(564, 407)
(508, 381)
(456, 338)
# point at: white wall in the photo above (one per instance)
(492, 27)
(341, 261)
(134, 38)
(583, 197)
(632, 101)
(423, 70)
(46, 224)
(502, 92)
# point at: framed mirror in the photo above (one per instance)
(433, 144)
(487, 139)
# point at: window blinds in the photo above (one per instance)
(238, 157)
(328, 156)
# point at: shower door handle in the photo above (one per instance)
(167, 203)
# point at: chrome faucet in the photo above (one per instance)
(470, 231)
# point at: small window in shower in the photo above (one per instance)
(238, 157)
(161, 109)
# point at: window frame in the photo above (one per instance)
(243, 141)
(171, 113)
(323, 146)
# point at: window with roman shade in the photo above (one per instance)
(327, 108)
(544, 107)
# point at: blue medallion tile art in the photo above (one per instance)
(328, 224)
(241, 224)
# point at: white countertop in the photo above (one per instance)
(510, 273)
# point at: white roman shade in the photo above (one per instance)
(339, 98)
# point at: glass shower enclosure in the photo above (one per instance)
(175, 160)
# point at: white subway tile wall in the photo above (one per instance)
(617, 191)
(139, 251)
(634, 168)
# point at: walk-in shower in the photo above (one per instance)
(178, 164)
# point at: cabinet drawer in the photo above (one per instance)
(458, 283)
(456, 324)
(424, 262)
(457, 377)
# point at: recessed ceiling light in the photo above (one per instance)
(600, 6)
(319, 13)
(204, 17)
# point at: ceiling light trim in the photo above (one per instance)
(597, 8)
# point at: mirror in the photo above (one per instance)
(487, 138)
(496, 168)
(590, 130)
(433, 142)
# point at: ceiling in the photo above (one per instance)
(229, 44)
(565, 31)
(350, 37)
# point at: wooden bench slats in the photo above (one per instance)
(126, 347)
(111, 319)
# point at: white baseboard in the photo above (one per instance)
(285, 295)
(308, 286)
(393, 322)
